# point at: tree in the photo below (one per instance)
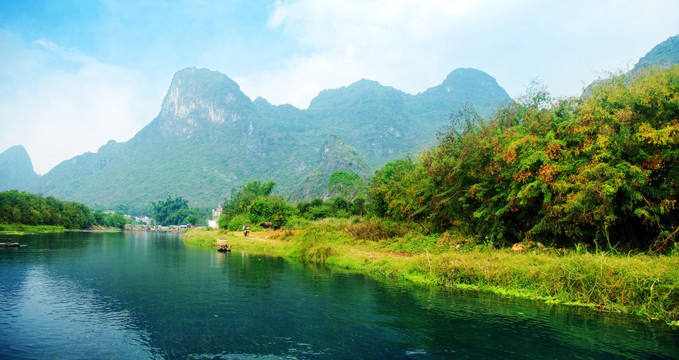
(76, 216)
(358, 206)
(281, 211)
(241, 201)
(346, 185)
(600, 169)
(339, 207)
(171, 211)
(399, 191)
(116, 220)
(254, 203)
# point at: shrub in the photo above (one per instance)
(376, 230)
(296, 222)
(237, 222)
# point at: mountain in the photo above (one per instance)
(16, 169)
(210, 138)
(664, 54)
(334, 156)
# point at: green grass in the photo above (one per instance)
(18, 229)
(629, 283)
(201, 237)
(253, 245)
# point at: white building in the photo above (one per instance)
(216, 213)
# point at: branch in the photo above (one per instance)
(662, 247)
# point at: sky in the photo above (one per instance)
(77, 74)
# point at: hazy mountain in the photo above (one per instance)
(16, 169)
(209, 137)
(664, 54)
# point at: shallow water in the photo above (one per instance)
(145, 295)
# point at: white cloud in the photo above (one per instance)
(413, 44)
(61, 103)
(408, 44)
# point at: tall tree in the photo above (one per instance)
(171, 211)
(345, 184)
(241, 201)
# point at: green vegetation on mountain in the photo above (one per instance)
(335, 155)
(664, 54)
(16, 169)
(210, 138)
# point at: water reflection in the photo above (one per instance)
(144, 295)
(47, 310)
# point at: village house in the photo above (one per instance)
(216, 213)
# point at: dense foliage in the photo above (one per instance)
(175, 212)
(254, 203)
(346, 184)
(29, 209)
(664, 54)
(600, 169)
(337, 207)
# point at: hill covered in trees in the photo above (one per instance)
(600, 169)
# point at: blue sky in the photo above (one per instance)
(75, 74)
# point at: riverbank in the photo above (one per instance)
(629, 283)
(18, 229)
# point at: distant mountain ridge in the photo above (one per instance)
(209, 138)
(16, 169)
(664, 54)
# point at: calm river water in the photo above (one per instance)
(147, 296)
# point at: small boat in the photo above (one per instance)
(9, 245)
(223, 245)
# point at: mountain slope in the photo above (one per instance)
(16, 169)
(335, 155)
(209, 137)
(664, 54)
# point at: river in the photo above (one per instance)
(144, 295)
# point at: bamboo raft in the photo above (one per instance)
(9, 245)
(223, 245)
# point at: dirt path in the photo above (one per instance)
(265, 236)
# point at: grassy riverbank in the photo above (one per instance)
(18, 229)
(629, 283)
